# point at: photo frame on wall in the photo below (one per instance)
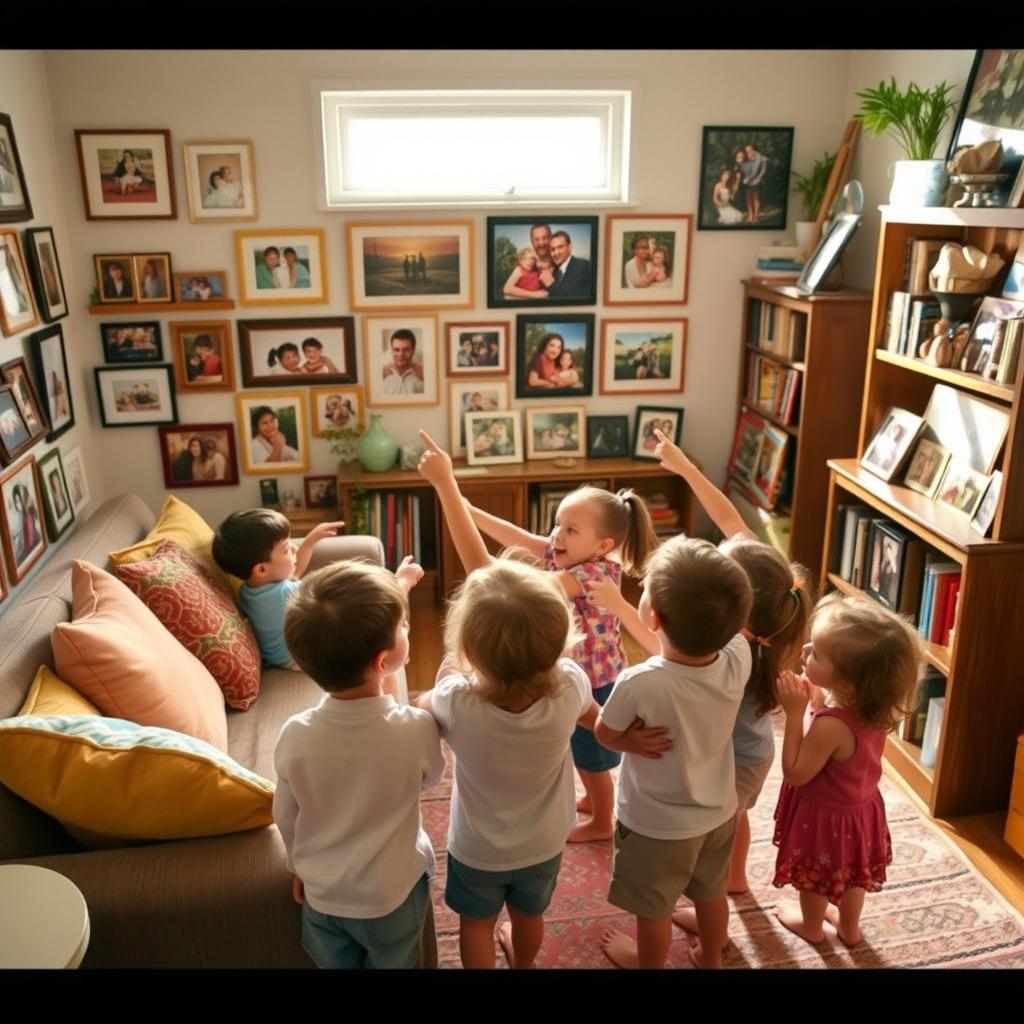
(152, 277)
(115, 278)
(554, 355)
(642, 356)
(15, 204)
(78, 485)
(203, 355)
(307, 350)
(53, 385)
(198, 455)
(200, 286)
(15, 438)
(272, 432)
(472, 396)
(402, 360)
(337, 408)
(136, 396)
(647, 259)
(57, 505)
(126, 175)
(220, 181)
(667, 419)
(607, 437)
(476, 349)
(287, 266)
(41, 254)
(17, 303)
(138, 341)
(15, 374)
(22, 522)
(493, 438)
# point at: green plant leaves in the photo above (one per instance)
(914, 118)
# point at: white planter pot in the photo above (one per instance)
(918, 183)
(804, 229)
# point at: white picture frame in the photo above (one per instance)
(502, 430)
(493, 397)
(414, 377)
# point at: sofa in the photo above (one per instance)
(218, 901)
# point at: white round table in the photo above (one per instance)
(45, 919)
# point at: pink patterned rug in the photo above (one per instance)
(935, 911)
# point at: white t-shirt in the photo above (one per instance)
(349, 777)
(691, 789)
(514, 800)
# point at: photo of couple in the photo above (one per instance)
(200, 287)
(286, 267)
(650, 261)
(199, 458)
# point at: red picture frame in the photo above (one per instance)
(174, 466)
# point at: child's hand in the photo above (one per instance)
(604, 593)
(638, 739)
(435, 463)
(409, 573)
(298, 890)
(793, 693)
(670, 454)
(322, 530)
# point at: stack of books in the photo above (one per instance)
(773, 388)
(939, 593)
(666, 518)
(778, 264)
(910, 321)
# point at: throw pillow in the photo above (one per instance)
(50, 695)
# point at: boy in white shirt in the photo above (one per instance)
(350, 772)
(676, 814)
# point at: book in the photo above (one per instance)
(924, 254)
(860, 550)
(417, 544)
(950, 611)
(932, 572)
(932, 685)
(922, 311)
(789, 265)
(853, 515)
(389, 545)
(898, 303)
(780, 252)
(835, 551)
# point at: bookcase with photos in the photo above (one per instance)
(928, 519)
(801, 371)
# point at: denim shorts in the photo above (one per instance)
(471, 892)
(587, 754)
(389, 941)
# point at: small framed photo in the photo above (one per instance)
(17, 304)
(310, 350)
(647, 259)
(136, 396)
(14, 202)
(198, 455)
(401, 360)
(972, 429)
(493, 438)
(115, 278)
(272, 429)
(41, 252)
(827, 252)
(607, 437)
(992, 310)
(135, 342)
(927, 465)
(746, 447)
(885, 565)
(771, 465)
(57, 504)
(15, 438)
(203, 355)
(320, 491)
(961, 488)
(52, 382)
(892, 443)
(536, 261)
(15, 373)
(642, 356)
(269, 497)
(153, 277)
(221, 184)
(472, 396)
(337, 409)
(744, 178)
(200, 286)
(667, 419)
(555, 432)
(554, 355)
(476, 349)
(982, 520)
(78, 485)
(126, 175)
(395, 267)
(284, 267)
(23, 539)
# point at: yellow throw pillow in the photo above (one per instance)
(108, 781)
(185, 526)
(50, 695)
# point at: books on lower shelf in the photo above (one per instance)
(911, 319)
(932, 685)
(777, 329)
(922, 255)
(774, 387)
(394, 517)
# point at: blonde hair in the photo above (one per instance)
(625, 518)
(511, 623)
(524, 252)
(874, 650)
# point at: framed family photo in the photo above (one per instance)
(152, 277)
(78, 485)
(927, 465)
(493, 438)
(14, 202)
(57, 505)
(667, 419)
(320, 491)
(647, 259)
(15, 438)
(310, 350)
(15, 373)
(52, 383)
(886, 547)
(41, 252)
(892, 443)
(556, 432)
(401, 360)
(126, 174)
(20, 503)
(115, 278)
(136, 396)
(203, 355)
(200, 286)
(607, 437)
(554, 355)
(476, 349)
(220, 181)
(642, 356)
(540, 261)
(472, 396)
(962, 488)
(272, 432)
(283, 267)
(135, 342)
(337, 409)
(393, 267)
(17, 304)
(198, 455)
(744, 178)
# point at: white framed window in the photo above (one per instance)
(463, 147)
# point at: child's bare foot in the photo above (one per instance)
(588, 832)
(848, 939)
(792, 917)
(505, 938)
(584, 806)
(686, 918)
(619, 948)
(702, 959)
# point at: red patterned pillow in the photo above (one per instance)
(190, 603)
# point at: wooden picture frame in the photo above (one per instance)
(891, 443)
(136, 396)
(642, 356)
(337, 408)
(647, 259)
(24, 540)
(47, 277)
(220, 181)
(152, 277)
(565, 427)
(15, 373)
(15, 204)
(469, 348)
(607, 437)
(538, 360)
(265, 271)
(278, 352)
(288, 409)
(113, 288)
(472, 396)
(57, 505)
(200, 286)
(402, 359)
(203, 354)
(116, 188)
(962, 488)
(212, 444)
(926, 467)
(497, 437)
(137, 341)
(15, 437)
(17, 302)
(53, 386)
(320, 491)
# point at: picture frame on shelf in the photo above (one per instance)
(926, 468)
(337, 408)
(198, 455)
(203, 355)
(883, 578)
(892, 442)
(667, 419)
(320, 491)
(199, 286)
(53, 386)
(152, 277)
(138, 341)
(22, 524)
(57, 505)
(766, 481)
(556, 432)
(17, 303)
(554, 355)
(115, 278)
(982, 521)
(647, 259)
(746, 447)
(15, 204)
(136, 396)
(607, 437)
(126, 174)
(475, 349)
(979, 353)
(272, 432)
(15, 437)
(300, 350)
(642, 356)
(15, 373)
(827, 252)
(44, 266)
(962, 488)
(78, 484)
(493, 438)
(220, 181)
(972, 429)
(472, 396)
(269, 497)
(287, 266)
(402, 359)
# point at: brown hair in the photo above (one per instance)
(341, 617)
(627, 520)
(247, 538)
(511, 623)
(702, 596)
(874, 650)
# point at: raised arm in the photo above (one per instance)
(505, 533)
(305, 549)
(605, 594)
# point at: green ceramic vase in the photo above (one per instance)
(376, 450)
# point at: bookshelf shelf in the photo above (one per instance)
(955, 216)
(793, 429)
(139, 308)
(905, 757)
(967, 381)
(781, 360)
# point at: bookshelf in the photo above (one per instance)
(984, 702)
(818, 344)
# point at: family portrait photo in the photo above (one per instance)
(14, 201)
(52, 385)
(476, 349)
(132, 396)
(272, 431)
(282, 267)
(41, 252)
(647, 259)
(308, 350)
(493, 438)
(198, 454)
(607, 437)
(337, 409)
(24, 541)
(57, 505)
(15, 373)
(401, 359)
(152, 277)
(475, 396)
(220, 181)
(203, 355)
(891, 443)
(139, 342)
(78, 486)
(321, 491)
(556, 433)
(115, 278)
(200, 286)
(650, 418)
(641, 356)
(126, 174)
(17, 304)
(927, 465)
(554, 355)
(961, 488)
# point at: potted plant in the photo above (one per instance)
(811, 189)
(915, 119)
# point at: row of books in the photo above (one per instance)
(910, 321)
(394, 517)
(933, 685)
(1004, 352)
(778, 330)
(922, 254)
(665, 515)
(774, 387)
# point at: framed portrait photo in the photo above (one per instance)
(283, 267)
(320, 491)
(198, 455)
(152, 277)
(78, 485)
(401, 360)
(41, 252)
(541, 261)
(203, 355)
(926, 468)
(647, 259)
(52, 383)
(14, 202)
(472, 396)
(556, 432)
(667, 419)
(200, 286)
(57, 505)
(476, 349)
(827, 252)
(892, 443)
(115, 278)
(138, 341)
(272, 432)
(642, 356)
(17, 303)
(493, 438)
(338, 408)
(15, 438)
(885, 564)
(554, 355)
(15, 374)
(962, 488)
(607, 437)
(422, 265)
(269, 498)
(982, 520)
(220, 181)
(311, 350)
(744, 178)
(136, 396)
(23, 538)
(126, 174)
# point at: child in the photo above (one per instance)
(659, 264)
(127, 173)
(830, 813)
(676, 814)
(207, 361)
(524, 281)
(568, 376)
(350, 772)
(316, 361)
(284, 359)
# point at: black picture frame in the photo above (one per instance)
(47, 395)
(615, 442)
(114, 350)
(565, 326)
(100, 372)
(10, 164)
(45, 474)
(503, 247)
(37, 271)
(828, 252)
(641, 412)
(883, 577)
(269, 497)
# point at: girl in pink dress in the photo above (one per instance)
(830, 823)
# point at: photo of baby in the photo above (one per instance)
(493, 438)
